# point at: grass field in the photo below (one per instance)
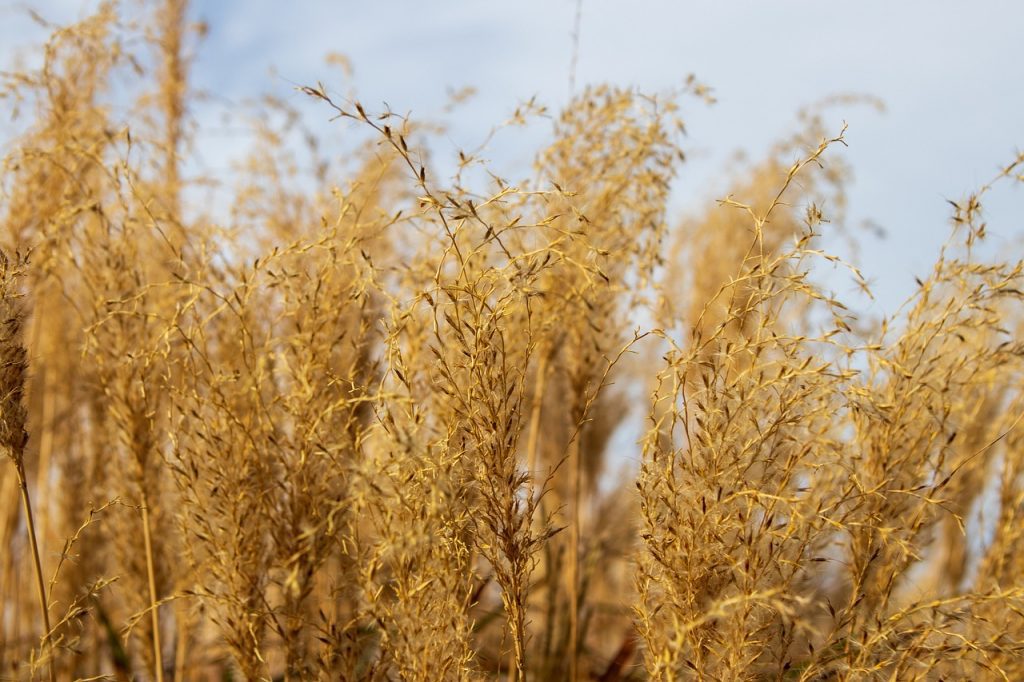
(357, 421)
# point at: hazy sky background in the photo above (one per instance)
(950, 74)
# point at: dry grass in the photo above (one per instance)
(366, 429)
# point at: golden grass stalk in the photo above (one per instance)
(13, 433)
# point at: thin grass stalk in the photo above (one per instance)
(533, 437)
(44, 607)
(151, 577)
(45, 437)
(574, 557)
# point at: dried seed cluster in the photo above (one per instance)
(338, 418)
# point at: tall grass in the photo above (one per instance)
(354, 420)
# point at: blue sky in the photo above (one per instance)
(950, 74)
